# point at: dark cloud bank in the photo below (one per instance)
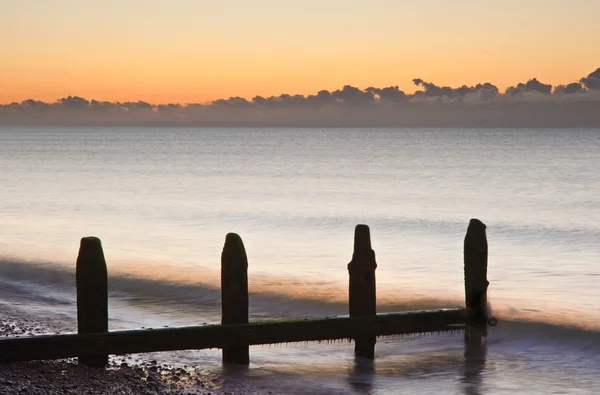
(528, 104)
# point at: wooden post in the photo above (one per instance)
(234, 294)
(362, 300)
(476, 282)
(92, 296)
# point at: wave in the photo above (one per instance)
(193, 288)
(507, 231)
(53, 285)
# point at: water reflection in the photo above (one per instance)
(361, 376)
(474, 364)
(235, 370)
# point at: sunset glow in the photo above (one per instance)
(194, 51)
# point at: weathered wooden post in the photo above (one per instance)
(362, 300)
(92, 295)
(234, 293)
(476, 282)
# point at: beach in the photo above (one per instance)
(127, 374)
(162, 200)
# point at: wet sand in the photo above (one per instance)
(127, 374)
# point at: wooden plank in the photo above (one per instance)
(476, 282)
(362, 296)
(234, 294)
(92, 296)
(221, 336)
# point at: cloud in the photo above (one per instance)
(527, 104)
(168, 107)
(103, 105)
(352, 96)
(322, 98)
(472, 94)
(592, 81)
(75, 102)
(390, 94)
(573, 87)
(136, 106)
(281, 101)
(531, 86)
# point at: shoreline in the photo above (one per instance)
(125, 374)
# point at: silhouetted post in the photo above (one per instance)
(362, 287)
(476, 283)
(92, 295)
(234, 293)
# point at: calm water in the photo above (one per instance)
(162, 200)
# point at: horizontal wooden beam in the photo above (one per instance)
(45, 347)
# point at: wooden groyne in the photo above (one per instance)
(93, 342)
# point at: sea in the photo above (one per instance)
(162, 200)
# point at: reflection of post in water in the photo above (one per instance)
(235, 371)
(476, 284)
(361, 376)
(475, 355)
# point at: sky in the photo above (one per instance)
(192, 51)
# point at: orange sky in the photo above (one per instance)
(194, 51)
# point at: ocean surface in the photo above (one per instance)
(163, 199)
